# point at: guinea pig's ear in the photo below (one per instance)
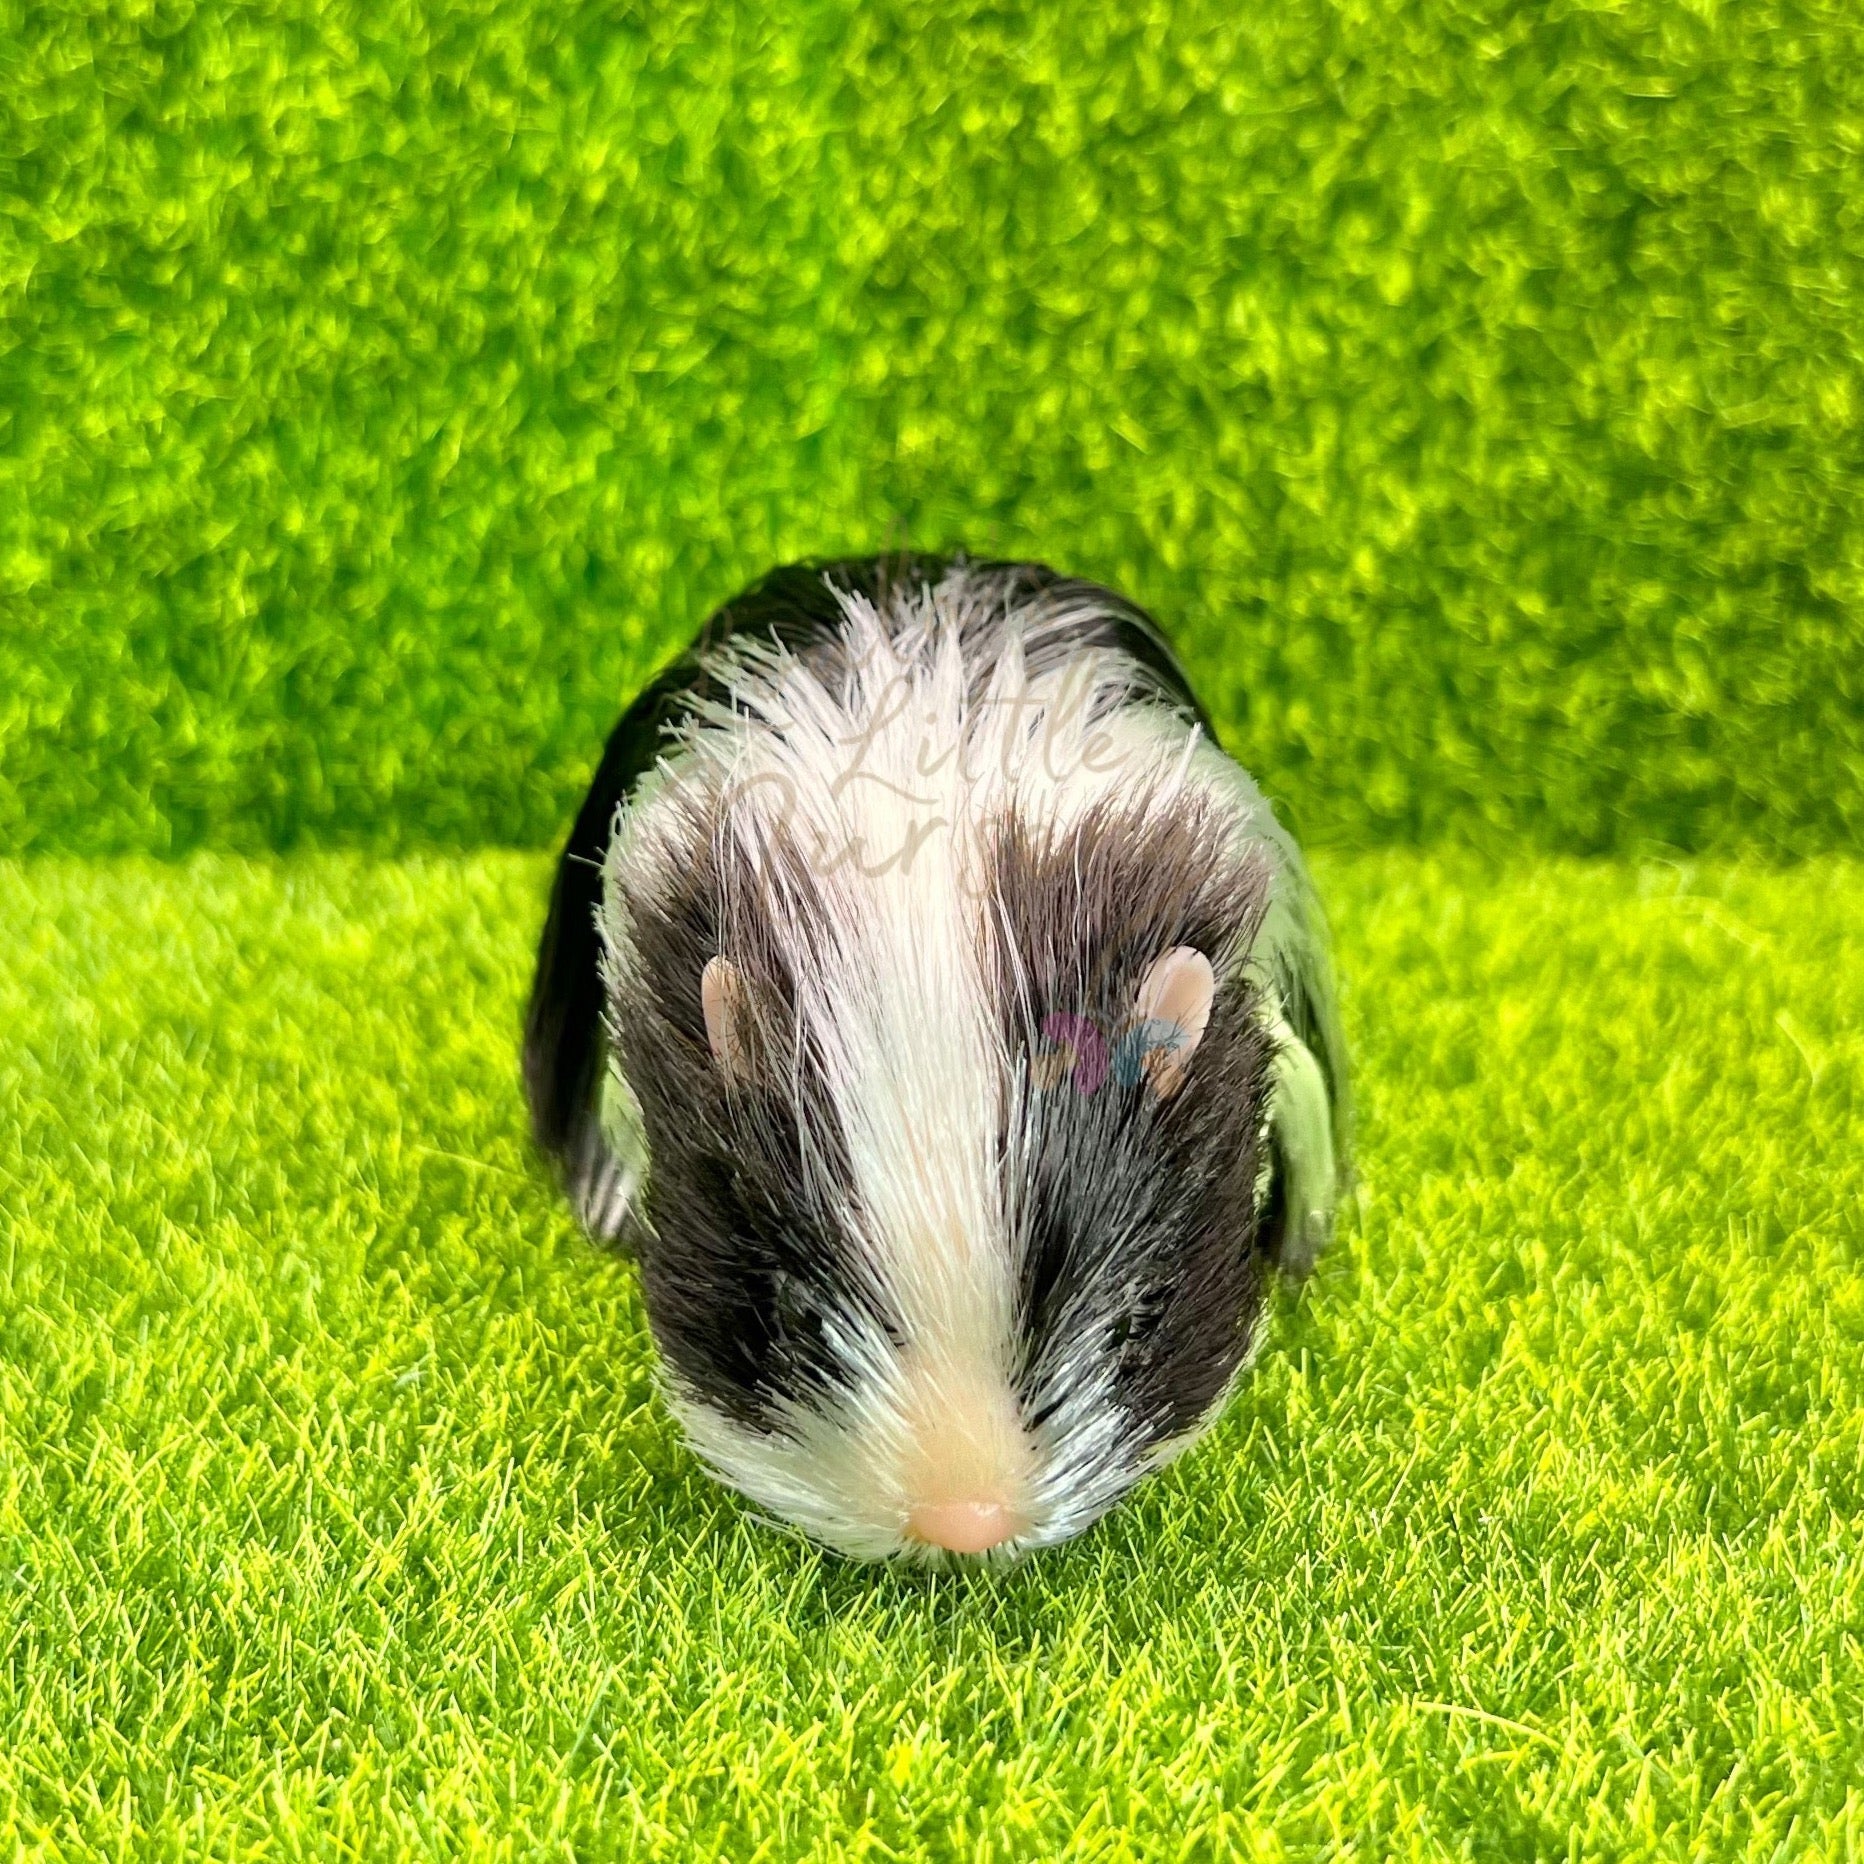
(726, 1000)
(1172, 1010)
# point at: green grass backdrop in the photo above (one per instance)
(1474, 389)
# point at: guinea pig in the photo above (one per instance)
(947, 1024)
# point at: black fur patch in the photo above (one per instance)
(1134, 1216)
(740, 1257)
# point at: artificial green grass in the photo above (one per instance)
(1474, 388)
(1475, 391)
(337, 1519)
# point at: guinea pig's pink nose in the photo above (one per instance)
(964, 1527)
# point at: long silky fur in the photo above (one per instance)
(899, 1170)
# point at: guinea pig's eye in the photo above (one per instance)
(799, 1318)
(1133, 1328)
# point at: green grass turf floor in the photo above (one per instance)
(337, 1517)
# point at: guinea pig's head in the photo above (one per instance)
(936, 1018)
(950, 1224)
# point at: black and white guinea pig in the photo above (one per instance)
(948, 1023)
